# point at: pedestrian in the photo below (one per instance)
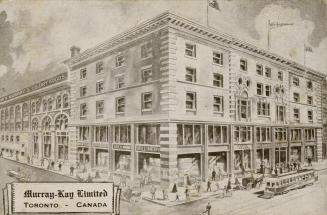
(208, 185)
(198, 186)
(262, 167)
(295, 165)
(153, 192)
(52, 165)
(229, 184)
(208, 208)
(0, 153)
(72, 170)
(309, 161)
(187, 195)
(213, 175)
(174, 190)
(28, 159)
(59, 166)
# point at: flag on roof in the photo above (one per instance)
(214, 4)
(307, 48)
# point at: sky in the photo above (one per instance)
(35, 35)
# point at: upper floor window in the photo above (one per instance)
(263, 109)
(263, 134)
(101, 134)
(83, 110)
(242, 134)
(259, 89)
(309, 85)
(280, 134)
(268, 90)
(82, 91)
(50, 104)
(244, 108)
(309, 134)
(218, 104)
(218, 58)
(268, 72)
(190, 74)
(99, 108)
(65, 101)
(120, 60)
(296, 114)
(310, 116)
(83, 133)
(99, 87)
(310, 100)
(120, 105)
(190, 49)
(296, 97)
(99, 67)
(243, 64)
(146, 50)
(280, 113)
(296, 81)
(45, 105)
(119, 81)
(188, 134)
(190, 101)
(280, 75)
(218, 80)
(122, 134)
(146, 75)
(148, 134)
(259, 69)
(58, 102)
(38, 105)
(147, 101)
(295, 134)
(217, 134)
(83, 73)
(33, 107)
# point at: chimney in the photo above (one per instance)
(74, 50)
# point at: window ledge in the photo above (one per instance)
(119, 67)
(217, 64)
(190, 57)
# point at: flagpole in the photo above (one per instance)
(268, 39)
(304, 59)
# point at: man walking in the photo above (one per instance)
(213, 175)
(208, 185)
(153, 192)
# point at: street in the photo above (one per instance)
(309, 200)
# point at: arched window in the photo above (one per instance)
(7, 119)
(50, 101)
(25, 116)
(38, 106)
(58, 102)
(33, 107)
(2, 120)
(25, 110)
(46, 123)
(11, 113)
(35, 124)
(18, 117)
(61, 122)
(65, 101)
(45, 105)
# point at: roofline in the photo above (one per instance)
(168, 17)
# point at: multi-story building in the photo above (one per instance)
(171, 97)
(34, 121)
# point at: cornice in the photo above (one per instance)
(176, 21)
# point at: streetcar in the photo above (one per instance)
(282, 184)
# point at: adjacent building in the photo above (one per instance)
(171, 98)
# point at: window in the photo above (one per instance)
(190, 50)
(58, 102)
(146, 75)
(99, 108)
(268, 90)
(147, 101)
(309, 100)
(146, 50)
(295, 134)
(122, 134)
(309, 134)
(218, 102)
(83, 133)
(101, 134)
(244, 108)
(263, 109)
(83, 73)
(259, 89)
(50, 104)
(17, 139)
(83, 110)
(296, 81)
(190, 101)
(280, 75)
(188, 134)
(243, 64)
(190, 74)
(65, 101)
(99, 87)
(296, 114)
(263, 134)
(268, 72)
(242, 134)
(120, 105)
(218, 80)
(120, 60)
(82, 91)
(148, 134)
(217, 134)
(259, 69)
(218, 58)
(280, 113)
(309, 85)
(296, 97)
(310, 116)
(99, 67)
(45, 105)
(280, 134)
(120, 82)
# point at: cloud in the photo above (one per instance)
(3, 70)
(6, 37)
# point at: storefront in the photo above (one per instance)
(149, 166)
(189, 166)
(123, 161)
(295, 154)
(263, 158)
(217, 161)
(281, 155)
(242, 157)
(83, 154)
(101, 158)
(309, 152)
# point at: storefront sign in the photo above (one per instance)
(242, 147)
(121, 147)
(40, 85)
(148, 148)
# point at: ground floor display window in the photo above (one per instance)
(217, 161)
(309, 152)
(47, 144)
(189, 165)
(149, 166)
(83, 155)
(242, 160)
(263, 158)
(123, 160)
(280, 155)
(62, 143)
(295, 154)
(36, 149)
(101, 157)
